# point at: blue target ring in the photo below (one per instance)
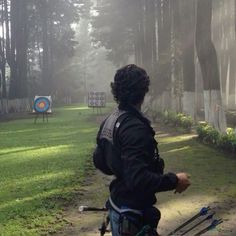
(42, 104)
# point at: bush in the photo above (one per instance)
(177, 120)
(208, 134)
(228, 141)
(184, 121)
(211, 136)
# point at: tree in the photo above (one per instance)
(163, 79)
(223, 25)
(117, 27)
(188, 34)
(37, 38)
(214, 112)
(57, 41)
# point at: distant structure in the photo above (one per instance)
(42, 106)
(97, 100)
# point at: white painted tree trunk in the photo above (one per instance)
(174, 102)
(166, 100)
(18, 105)
(147, 106)
(155, 106)
(235, 92)
(189, 104)
(227, 86)
(3, 106)
(214, 110)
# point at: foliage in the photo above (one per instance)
(37, 39)
(177, 120)
(113, 28)
(88, 63)
(209, 135)
(228, 141)
(42, 168)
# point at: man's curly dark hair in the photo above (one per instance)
(130, 85)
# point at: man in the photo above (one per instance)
(127, 149)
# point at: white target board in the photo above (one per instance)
(42, 104)
(96, 99)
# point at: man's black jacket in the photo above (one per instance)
(130, 153)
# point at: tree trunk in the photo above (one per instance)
(188, 24)
(163, 81)
(17, 49)
(235, 16)
(46, 79)
(21, 48)
(176, 56)
(214, 111)
(3, 56)
(150, 38)
(11, 27)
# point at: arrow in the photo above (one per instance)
(103, 228)
(194, 226)
(211, 226)
(202, 212)
(86, 208)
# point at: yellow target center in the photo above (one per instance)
(41, 105)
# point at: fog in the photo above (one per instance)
(68, 48)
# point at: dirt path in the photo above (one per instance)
(175, 209)
(95, 191)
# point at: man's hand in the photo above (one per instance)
(183, 182)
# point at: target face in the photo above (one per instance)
(97, 99)
(42, 104)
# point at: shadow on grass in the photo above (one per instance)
(35, 191)
(17, 150)
(213, 179)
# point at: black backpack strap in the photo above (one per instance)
(106, 132)
(111, 124)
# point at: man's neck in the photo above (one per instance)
(138, 107)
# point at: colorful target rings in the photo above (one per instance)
(41, 104)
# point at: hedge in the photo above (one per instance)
(206, 133)
(210, 135)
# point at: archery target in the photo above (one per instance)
(96, 99)
(42, 104)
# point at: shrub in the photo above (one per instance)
(177, 120)
(210, 135)
(184, 121)
(228, 141)
(206, 133)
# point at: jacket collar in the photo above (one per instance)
(135, 112)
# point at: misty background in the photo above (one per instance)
(67, 48)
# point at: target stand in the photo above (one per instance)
(97, 100)
(43, 114)
(42, 107)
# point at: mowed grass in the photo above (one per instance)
(42, 166)
(213, 177)
(209, 169)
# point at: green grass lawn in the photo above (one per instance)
(42, 166)
(213, 177)
(212, 172)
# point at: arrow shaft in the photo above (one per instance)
(194, 226)
(211, 226)
(95, 209)
(203, 211)
(184, 224)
